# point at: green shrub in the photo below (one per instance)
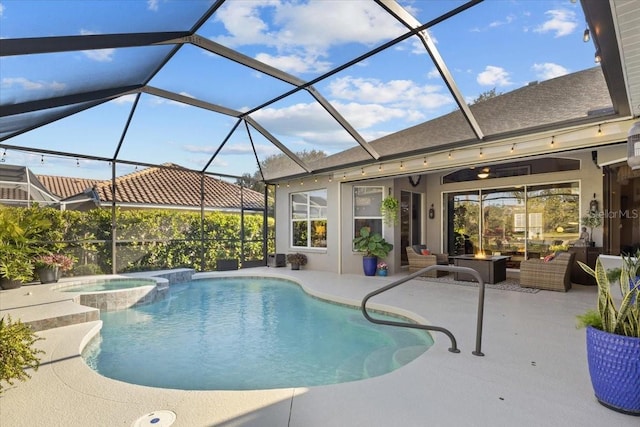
(17, 352)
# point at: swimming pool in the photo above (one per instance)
(247, 333)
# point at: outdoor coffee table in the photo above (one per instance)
(492, 269)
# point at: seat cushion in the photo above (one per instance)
(418, 248)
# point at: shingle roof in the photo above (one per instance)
(170, 186)
(566, 99)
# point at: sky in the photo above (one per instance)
(498, 44)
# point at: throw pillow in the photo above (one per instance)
(426, 252)
(549, 258)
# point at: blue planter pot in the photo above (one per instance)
(382, 272)
(370, 265)
(614, 366)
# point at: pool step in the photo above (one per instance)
(351, 369)
(57, 314)
(380, 362)
(407, 354)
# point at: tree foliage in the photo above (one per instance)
(153, 239)
(276, 162)
(486, 95)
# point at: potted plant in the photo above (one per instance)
(613, 338)
(16, 267)
(389, 210)
(296, 260)
(372, 246)
(383, 269)
(18, 353)
(49, 266)
(592, 219)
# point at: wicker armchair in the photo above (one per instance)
(417, 261)
(553, 275)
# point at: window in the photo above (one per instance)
(528, 221)
(366, 209)
(309, 219)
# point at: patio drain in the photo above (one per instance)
(162, 418)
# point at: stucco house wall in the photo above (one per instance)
(339, 257)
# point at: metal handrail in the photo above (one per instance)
(450, 268)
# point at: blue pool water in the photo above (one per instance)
(108, 285)
(245, 334)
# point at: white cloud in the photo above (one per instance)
(493, 76)
(294, 64)
(310, 124)
(233, 150)
(1, 9)
(26, 84)
(549, 70)
(164, 101)
(499, 23)
(561, 22)
(300, 32)
(152, 5)
(125, 99)
(99, 55)
(395, 93)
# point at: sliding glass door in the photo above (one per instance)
(521, 222)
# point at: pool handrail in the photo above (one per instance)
(449, 268)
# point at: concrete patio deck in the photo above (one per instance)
(534, 371)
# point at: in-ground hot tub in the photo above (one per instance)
(115, 293)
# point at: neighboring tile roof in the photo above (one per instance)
(65, 187)
(170, 186)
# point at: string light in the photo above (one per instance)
(77, 163)
(599, 130)
(287, 185)
(449, 155)
(425, 161)
(42, 159)
(4, 155)
(315, 179)
(481, 152)
(330, 179)
(401, 165)
(586, 36)
(362, 172)
(597, 57)
(553, 140)
(344, 176)
(380, 168)
(301, 182)
(513, 147)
